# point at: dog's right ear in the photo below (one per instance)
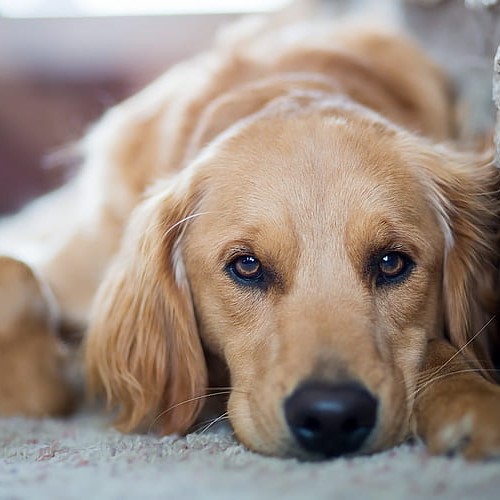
(463, 188)
(142, 349)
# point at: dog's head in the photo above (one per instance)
(315, 249)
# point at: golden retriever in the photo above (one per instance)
(294, 228)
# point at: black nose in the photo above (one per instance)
(331, 420)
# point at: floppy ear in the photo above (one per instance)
(142, 349)
(464, 189)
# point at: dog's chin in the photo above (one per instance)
(282, 445)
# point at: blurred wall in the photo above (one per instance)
(59, 75)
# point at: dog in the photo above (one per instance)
(285, 220)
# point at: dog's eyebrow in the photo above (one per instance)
(388, 234)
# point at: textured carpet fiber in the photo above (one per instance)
(83, 458)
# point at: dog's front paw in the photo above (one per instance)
(33, 379)
(461, 417)
(456, 410)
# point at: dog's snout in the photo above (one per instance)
(331, 420)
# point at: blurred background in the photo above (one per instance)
(64, 62)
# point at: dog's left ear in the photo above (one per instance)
(142, 349)
(464, 190)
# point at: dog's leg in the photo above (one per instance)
(33, 378)
(52, 255)
(456, 410)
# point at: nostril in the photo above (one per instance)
(331, 420)
(310, 427)
(349, 425)
(312, 424)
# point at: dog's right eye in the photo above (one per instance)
(392, 268)
(246, 269)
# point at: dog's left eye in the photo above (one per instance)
(246, 269)
(393, 267)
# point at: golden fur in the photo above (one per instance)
(318, 157)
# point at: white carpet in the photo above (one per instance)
(83, 458)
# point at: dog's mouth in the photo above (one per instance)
(321, 419)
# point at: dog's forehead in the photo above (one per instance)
(314, 168)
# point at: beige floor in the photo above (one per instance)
(82, 458)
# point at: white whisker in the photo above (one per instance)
(424, 385)
(466, 344)
(187, 401)
(215, 421)
(185, 219)
(426, 379)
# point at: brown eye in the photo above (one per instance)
(392, 264)
(246, 268)
(393, 267)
